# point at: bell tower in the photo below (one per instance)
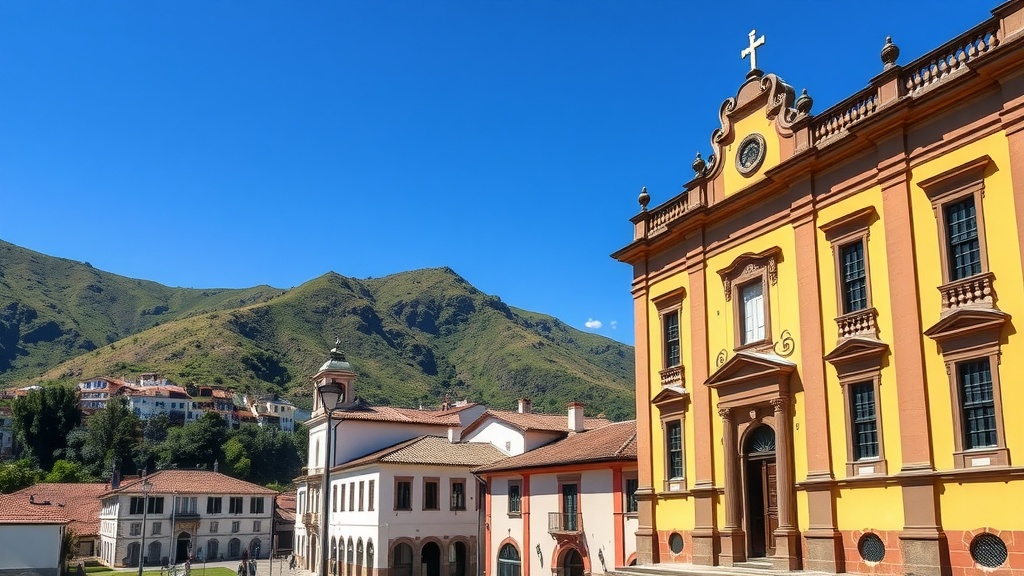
(336, 370)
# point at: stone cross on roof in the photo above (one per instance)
(751, 50)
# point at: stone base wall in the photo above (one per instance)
(665, 554)
(961, 563)
(892, 563)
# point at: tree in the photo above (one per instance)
(262, 455)
(43, 419)
(112, 439)
(18, 475)
(196, 444)
(67, 471)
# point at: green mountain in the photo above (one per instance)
(412, 337)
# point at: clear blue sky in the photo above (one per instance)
(228, 144)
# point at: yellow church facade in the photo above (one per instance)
(827, 324)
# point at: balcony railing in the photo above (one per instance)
(974, 291)
(563, 523)
(672, 376)
(859, 323)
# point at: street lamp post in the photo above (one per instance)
(332, 395)
(146, 487)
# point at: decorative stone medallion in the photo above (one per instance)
(750, 154)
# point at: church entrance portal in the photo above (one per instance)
(762, 500)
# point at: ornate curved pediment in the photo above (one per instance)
(768, 91)
(749, 264)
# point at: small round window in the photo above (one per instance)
(871, 548)
(675, 543)
(988, 550)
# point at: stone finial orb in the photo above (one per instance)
(804, 102)
(890, 52)
(699, 165)
(644, 199)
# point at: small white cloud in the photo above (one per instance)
(592, 324)
(614, 324)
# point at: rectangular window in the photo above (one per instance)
(458, 495)
(257, 525)
(671, 334)
(752, 319)
(256, 505)
(361, 494)
(235, 505)
(371, 495)
(855, 278)
(977, 404)
(403, 494)
(185, 505)
(213, 505)
(962, 239)
(214, 526)
(235, 525)
(865, 422)
(674, 433)
(156, 505)
(136, 505)
(351, 495)
(334, 498)
(515, 489)
(135, 528)
(430, 490)
(632, 505)
(342, 496)
(157, 528)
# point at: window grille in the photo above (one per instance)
(964, 247)
(871, 548)
(988, 550)
(865, 424)
(978, 404)
(855, 286)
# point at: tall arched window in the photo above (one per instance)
(403, 560)
(350, 557)
(334, 556)
(359, 557)
(508, 561)
(369, 555)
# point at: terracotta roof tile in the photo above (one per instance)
(536, 421)
(390, 414)
(19, 509)
(284, 507)
(431, 450)
(612, 442)
(81, 502)
(192, 482)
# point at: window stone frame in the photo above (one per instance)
(858, 361)
(668, 304)
(840, 233)
(963, 336)
(672, 405)
(966, 180)
(398, 481)
(744, 270)
(436, 481)
(514, 513)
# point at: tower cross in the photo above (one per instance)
(751, 50)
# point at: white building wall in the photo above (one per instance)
(504, 437)
(357, 438)
(30, 548)
(116, 523)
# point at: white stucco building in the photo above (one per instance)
(567, 508)
(31, 531)
(359, 432)
(200, 513)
